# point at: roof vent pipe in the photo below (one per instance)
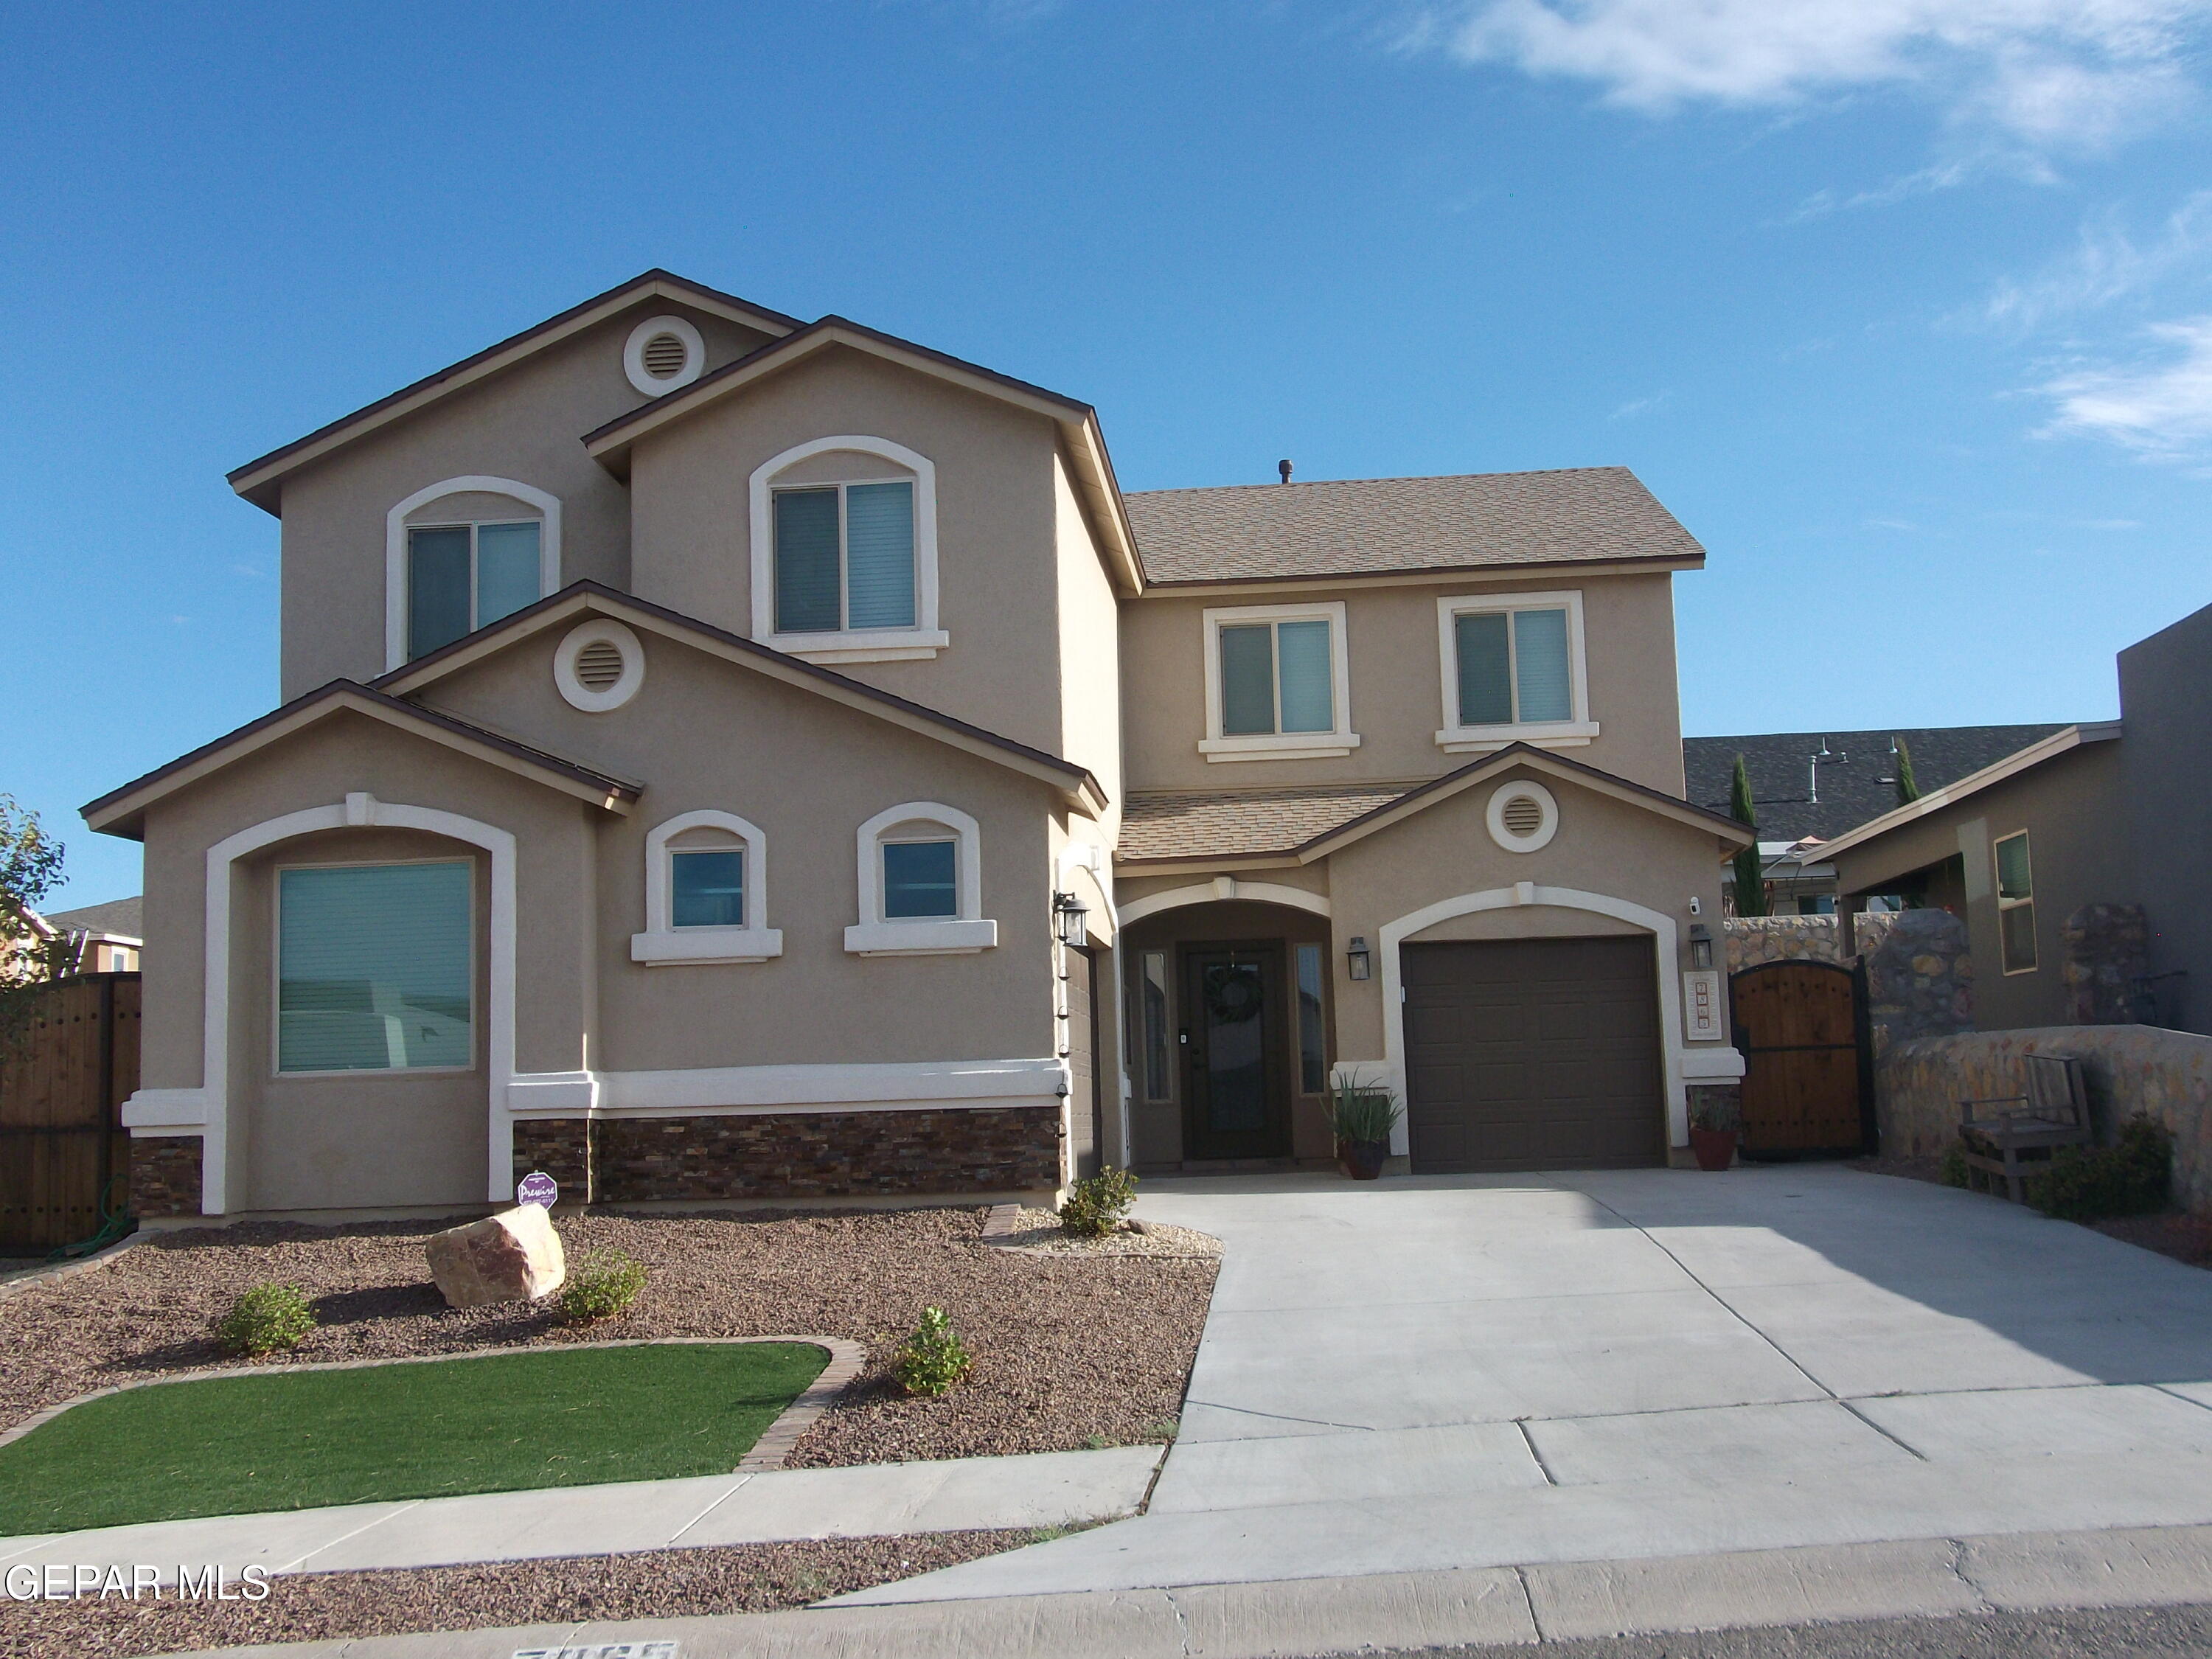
(1283, 467)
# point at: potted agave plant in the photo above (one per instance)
(1714, 1120)
(1363, 1115)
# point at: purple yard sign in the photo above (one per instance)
(537, 1187)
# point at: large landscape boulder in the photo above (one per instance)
(513, 1256)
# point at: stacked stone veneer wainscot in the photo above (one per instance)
(2166, 1075)
(164, 1177)
(800, 1154)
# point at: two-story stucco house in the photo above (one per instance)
(727, 757)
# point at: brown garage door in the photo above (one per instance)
(1538, 1054)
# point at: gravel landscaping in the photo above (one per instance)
(1070, 1350)
(1040, 1230)
(326, 1607)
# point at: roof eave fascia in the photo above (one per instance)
(1095, 471)
(1205, 864)
(122, 813)
(1210, 586)
(258, 480)
(2036, 754)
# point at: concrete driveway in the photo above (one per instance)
(1471, 1371)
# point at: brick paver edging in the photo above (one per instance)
(47, 1275)
(776, 1440)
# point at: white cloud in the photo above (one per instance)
(2105, 265)
(1635, 407)
(2047, 72)
(2161, 407)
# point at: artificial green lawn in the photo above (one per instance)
(236, 1445)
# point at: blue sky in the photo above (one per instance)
(1903, 307)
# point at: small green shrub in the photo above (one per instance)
(601, 1285)
(1361, 1111)
(2086, 1183)
(1716, 1110)
(1953, 1171)
(1096, 1203)
(933, 1358)
(266, 1318)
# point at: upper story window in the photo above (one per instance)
(844, 552)
(706, 892)
(1513, 671)
(1276, 686)
(2015, 903)
(461, 554)
(921, 879)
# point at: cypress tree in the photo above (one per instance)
(1908, 787)
(1750, 877)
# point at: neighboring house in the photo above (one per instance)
(2111, 813)
(113, 934)
(1810, 786)
(731, 758)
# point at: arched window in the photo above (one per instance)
(844, 551)
(921, 879)
(461, 554)
(706, 893)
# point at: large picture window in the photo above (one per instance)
(1513, 670)
(375, 967)
(844, 558)
(2015, 903)
(462, 577)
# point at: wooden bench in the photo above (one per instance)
(2054, 1112)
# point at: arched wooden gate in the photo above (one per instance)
(1809, 1079)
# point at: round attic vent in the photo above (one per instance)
(598, 666)
(1522, 815)
(662, 354)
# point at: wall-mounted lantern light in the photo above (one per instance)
(1356, 961)
(1701, 945)
(1072, 920)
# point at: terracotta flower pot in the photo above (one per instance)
(1715, 1148)
(1364, 1159)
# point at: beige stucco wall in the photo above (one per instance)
(1397, 681)
(368, 1139)
(705, 734)
(2077, 855)
(996, 525)
(522, 424)
(1090, 649)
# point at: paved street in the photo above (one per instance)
(1477, 1371)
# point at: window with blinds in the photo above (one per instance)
(1277, 677)
(1515, 667)
(707, 888)
(375, 967)
(466, 576)
(919, 882)
(2015, 903)
(844, 558)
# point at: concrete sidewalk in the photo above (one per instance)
(1549, 1603)
(957, 1494)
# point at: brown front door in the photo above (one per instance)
(1237, 1101)
(1797, 1025)
(1538, 1053)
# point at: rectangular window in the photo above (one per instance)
(919, 882)
(374, 968)
(467, 576)
(2015, 904)
(1313, 1034)
(1277, 677)
(707, 888)
(844, 558)
(1515, 667)
(1152, 993)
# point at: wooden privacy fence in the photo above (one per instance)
(1807, 1084)
(62, 1088)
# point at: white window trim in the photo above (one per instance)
(395, 548)
(663, 944)
(925, 639)
(1456, 739)
(2005, 905)
(962, 935)
(276, 1072)
(694, 356)
(573, 690)
(1339, 741)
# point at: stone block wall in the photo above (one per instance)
(165, 1176)
(798, 1155)
(1753, 941)
(1920, 980)
(2167, 1075)
(2108, 952)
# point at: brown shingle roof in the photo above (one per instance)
(1226, 823)
(1368, 527)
